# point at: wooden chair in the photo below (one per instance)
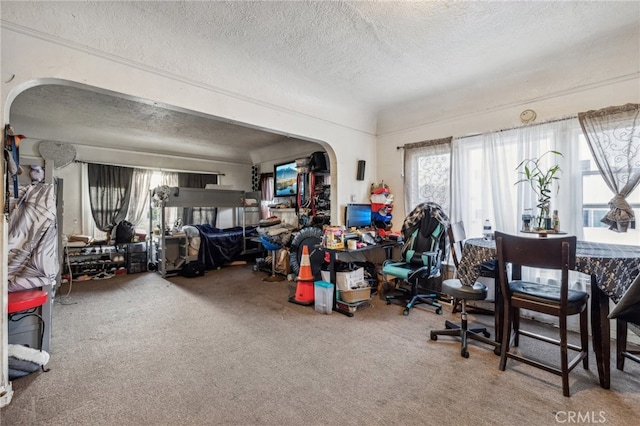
(626, 311)
(622, 351)
(560, 301)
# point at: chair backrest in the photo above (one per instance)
(423, 231)
(546, 253)
(457, 236)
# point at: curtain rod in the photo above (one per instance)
(152, 168)
(509, 128)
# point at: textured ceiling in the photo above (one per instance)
(86, 117)
(399, 61)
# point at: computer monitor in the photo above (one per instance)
(358, 216)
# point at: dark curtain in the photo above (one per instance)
(198, 215)
(109, 191)
(196, 180)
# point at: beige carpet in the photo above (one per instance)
(228, 349)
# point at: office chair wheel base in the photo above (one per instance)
(439, 311)
(434, 336)
(486, 334)
(406, 312)
(388, 302)
(496, 350)
(464, 353)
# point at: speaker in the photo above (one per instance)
(360, 175)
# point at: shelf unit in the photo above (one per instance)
(250, 216)
(314, 198)
(171, 253)
(94, 259)
(136, 257)
(321, 198)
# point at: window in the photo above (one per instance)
(595, 203)
(484, 175)
(427, 173)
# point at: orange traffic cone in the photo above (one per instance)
(304, 290)
(305, 274)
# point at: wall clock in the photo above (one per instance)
(527, 116)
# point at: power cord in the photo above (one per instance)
(63, 299)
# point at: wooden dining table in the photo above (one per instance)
(613, 269)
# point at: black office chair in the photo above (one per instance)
(424, 246)
(487, 276)
(557, 300)
(463, 293)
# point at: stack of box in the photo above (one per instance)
(353, 289)
(136, 257)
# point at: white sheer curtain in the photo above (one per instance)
(484, 175)
(87, 223)
(139, 200)
(427, 173)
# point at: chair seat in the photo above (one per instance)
(22, 300)
(269, 245)
(408, 271)
(456, 289)
(546, 293)
(399, 270)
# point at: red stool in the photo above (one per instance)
(24, 304)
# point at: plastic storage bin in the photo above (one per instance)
(323, 294)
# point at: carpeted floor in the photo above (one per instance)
(228, 349)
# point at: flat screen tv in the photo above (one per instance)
(358, 216)
(285, 177)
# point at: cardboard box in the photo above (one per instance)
(346, 280)
(355, 295)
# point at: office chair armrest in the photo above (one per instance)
(422, 272)
(418, 258)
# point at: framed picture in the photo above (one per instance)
(285, 177)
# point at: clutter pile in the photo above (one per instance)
(381, 205)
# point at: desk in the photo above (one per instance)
(387, 246)
(613, 269)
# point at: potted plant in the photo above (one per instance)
(541, 181)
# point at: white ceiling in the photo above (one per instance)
(399, 61)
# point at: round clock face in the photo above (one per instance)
(527, 116)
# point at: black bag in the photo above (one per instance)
(319, 162)
(125, 232)
(192, 270)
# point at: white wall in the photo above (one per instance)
(53, 59)
(30, 58)
(568, 103)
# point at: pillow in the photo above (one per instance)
(24, 360)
